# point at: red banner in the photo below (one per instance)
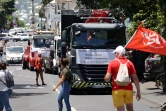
(148, 41)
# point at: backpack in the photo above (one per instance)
(9, 79)
(71, 79)
(122, 78)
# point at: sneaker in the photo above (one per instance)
(44, 84)
(37, 85)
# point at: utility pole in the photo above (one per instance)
(33, 17)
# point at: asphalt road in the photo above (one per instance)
(28, 97)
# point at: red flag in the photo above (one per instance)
(148, 41)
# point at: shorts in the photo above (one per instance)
(38, 71)
(121, 97)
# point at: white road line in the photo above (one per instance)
(72, 108)
(27, 76)
(18, 68)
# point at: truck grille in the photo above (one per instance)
(93, 73)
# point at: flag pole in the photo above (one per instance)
(130, 39)
(135, 33)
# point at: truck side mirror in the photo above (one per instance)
(63, 49)
(64, 36)
(4, 53)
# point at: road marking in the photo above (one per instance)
(72, 108)
(26, 76)
(28, 86)
(18, 68)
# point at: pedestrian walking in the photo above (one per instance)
(39, 70)
(65, 83)
(122, 71)
(4, 90)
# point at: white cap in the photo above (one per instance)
(120, 49)
(39, 52)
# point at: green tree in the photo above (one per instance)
(42, 12)
(153, 11)
(6, 9)
(45, 2)
(20, 23)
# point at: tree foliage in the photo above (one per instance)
(20, 23)
(153, 11)
(45, 2)
(6, 9)
(42, 10)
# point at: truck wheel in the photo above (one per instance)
(73, 91)
(55, 70)
(24, 65)
(64, 36)
(30, 67)
(45, 69)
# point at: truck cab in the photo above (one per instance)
(91, 44)
(41, 41)
(51, 62)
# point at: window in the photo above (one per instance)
(14, 50)
(99, 38)
(24, 34)
(43, 43)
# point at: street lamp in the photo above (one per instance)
(33, 17)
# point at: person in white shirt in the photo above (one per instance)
(4, 90)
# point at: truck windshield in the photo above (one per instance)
(14, 49)
(39, 43)
(99, 38)
(24, 34)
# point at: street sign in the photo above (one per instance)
(57, 18)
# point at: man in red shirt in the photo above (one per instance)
(122, 95)
(39, 64)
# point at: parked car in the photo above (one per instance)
(16, 38)
(154, 66)
(12, 31)
(5, 36)
(23, 36)
(13, 54)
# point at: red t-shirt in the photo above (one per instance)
(113, 68)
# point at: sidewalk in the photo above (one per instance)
(152, 94)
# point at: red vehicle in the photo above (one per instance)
(40, 42)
